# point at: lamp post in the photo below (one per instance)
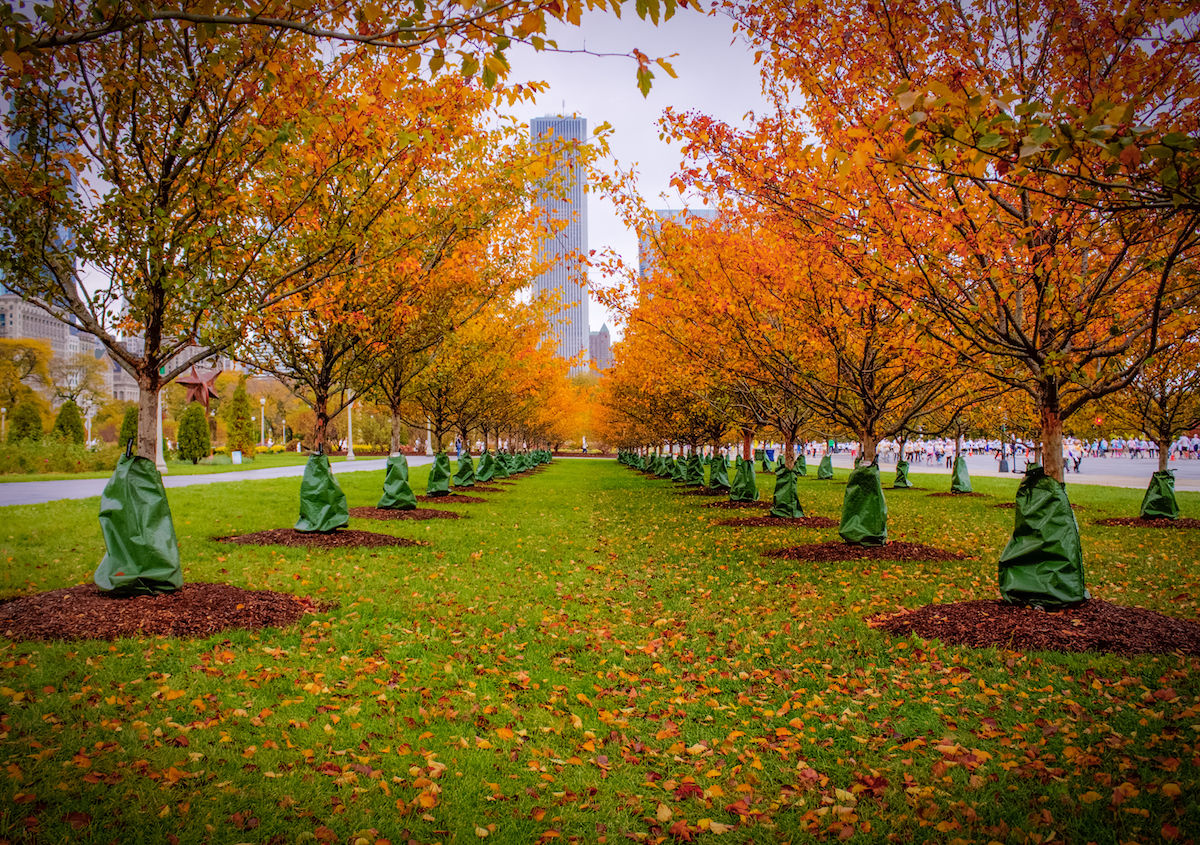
(262, 415)
(350, 431)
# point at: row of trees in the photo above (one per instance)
(984, 205)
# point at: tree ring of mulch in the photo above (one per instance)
(893, 550)
(453, 499)
(780, 522)
(948, 495)
(703, 491)
(1140, 522)
(1093, 626)
(343, 538)
(733, 506)
(195, 610)
(903, 489)
(485, 488)
(412, 513)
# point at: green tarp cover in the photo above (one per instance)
(960, 481)
(439, 476)
(397, 492)
(864, 510)
(142, 553)
(902, 475)
(718, 473)
(323, 506)
(465, 477)
(825, 468)
(801, 465)
(500, 465)
(1159, 501)
(765, 462)
(786, 505)
(487, 468)
(693, 470)
(1042, 565)
(744, 487)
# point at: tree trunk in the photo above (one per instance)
(748, 444)
(321, 409)
(789, 452)
(1163, 456)
(146, 445)
(397, 427)
(900, 444)
(1052, 431)
(869, 444)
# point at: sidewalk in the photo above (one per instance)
(37, 492)
(1107, 472)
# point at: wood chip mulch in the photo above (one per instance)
(948, 495)
(195, 610)
(486, 488)
(903, 489)
(893, 550)
(343, 538)
(1139, 522)
(703, 491)
(1094, 626)
(733, 506)
(393, 513)
(453, 499)
(779, 522)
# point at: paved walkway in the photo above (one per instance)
(1108, 472)
(36, 492)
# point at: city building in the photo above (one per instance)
(600, 348)
(565, 201)
(646, 247)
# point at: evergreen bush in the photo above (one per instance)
(193, 434)
(129, 427)
(25, 423)
(69, 424)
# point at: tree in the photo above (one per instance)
(193, 434)
(23, 363)
(1163, 401)
(170, 162)
(78, 378)
(1024, 240)
(68, 424)
(25, 423)
(242, 432)
(129, 426)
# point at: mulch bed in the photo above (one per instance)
(948, 495)
(1012, 505)
(1095, 626)
(393, 513)
(453, 499)
(343, 538)
(778, 522)
(484, 488)
(195, 610)
(703, 491)
(893, 550)
(903, 489)
(733, 506)
(1139, 522)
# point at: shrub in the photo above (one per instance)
(25, 423)
(68, 424)
(129, 427)
(243, 433)
(55, 455)
(193, 434)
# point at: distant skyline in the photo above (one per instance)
(715, 77)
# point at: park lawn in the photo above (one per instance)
(263, 460)
(586, 657)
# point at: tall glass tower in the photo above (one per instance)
(564, 199)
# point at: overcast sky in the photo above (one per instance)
(715, 76)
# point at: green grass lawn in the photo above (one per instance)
(587, 658)
(174, 467)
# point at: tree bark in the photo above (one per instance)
(1163, 456)
(1052, 431)
(869, 444)
(397, 428)
(321, 409)
(748, 444)
(146, 445)
(789, 453)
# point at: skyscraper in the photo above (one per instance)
(565, 199)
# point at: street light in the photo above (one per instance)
(262, 429)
